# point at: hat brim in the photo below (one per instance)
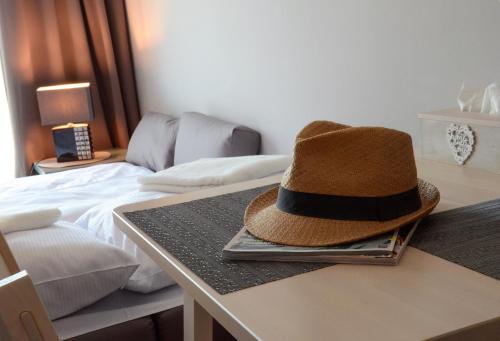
(265, 221)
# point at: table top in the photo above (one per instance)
(424, 296)
(117, 155)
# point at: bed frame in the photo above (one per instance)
(165, 326)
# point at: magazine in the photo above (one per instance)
(385, 249)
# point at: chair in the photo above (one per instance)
(8, 265)
(22, 314)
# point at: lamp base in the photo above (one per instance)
(73, 142)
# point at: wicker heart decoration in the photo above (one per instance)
(461, 141)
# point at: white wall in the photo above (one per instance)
(277, 64)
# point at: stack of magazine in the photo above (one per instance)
(385, 249)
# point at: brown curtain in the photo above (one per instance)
(61, 41)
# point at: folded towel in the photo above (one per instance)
(171, 188)
(21, 221)
(210, 172)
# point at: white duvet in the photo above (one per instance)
(73, 191)
(86, 197)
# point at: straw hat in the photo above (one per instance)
(344, 184)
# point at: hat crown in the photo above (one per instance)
(335, 159)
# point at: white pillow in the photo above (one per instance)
(70, 268)
(98, 221)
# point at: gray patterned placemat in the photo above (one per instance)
(468, 236)
(195, 233)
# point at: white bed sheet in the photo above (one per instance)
(87, 196)
(73, 191)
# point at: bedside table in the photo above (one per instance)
(117, 155)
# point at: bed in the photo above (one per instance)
(86, 198)
(150, 303)
(87, 195)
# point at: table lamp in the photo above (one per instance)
(68, 106)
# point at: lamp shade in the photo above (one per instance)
(65, 103)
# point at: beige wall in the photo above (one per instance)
(277, 64)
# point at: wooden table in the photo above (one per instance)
(423, 297)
